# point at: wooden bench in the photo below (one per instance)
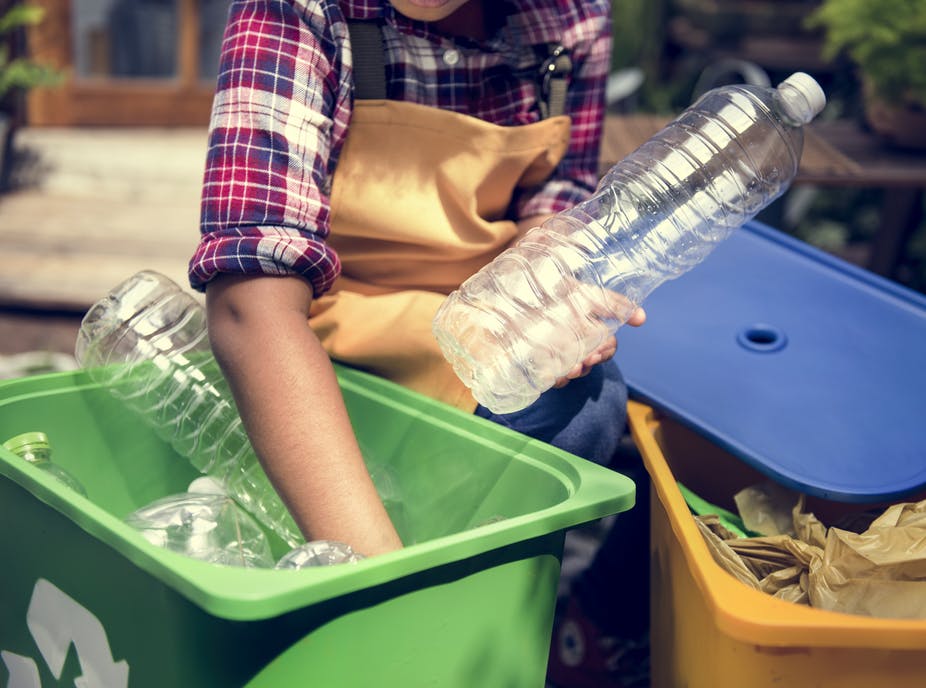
(836, 154)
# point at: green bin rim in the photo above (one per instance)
(250, 594)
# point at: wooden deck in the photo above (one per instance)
(105, 204)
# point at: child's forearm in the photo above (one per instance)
(291, 405)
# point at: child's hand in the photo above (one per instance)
(602, 353)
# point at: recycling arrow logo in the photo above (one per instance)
(57, 621)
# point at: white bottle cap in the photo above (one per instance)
(207, 485)
(810, 90)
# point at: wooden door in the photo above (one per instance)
(128, 62)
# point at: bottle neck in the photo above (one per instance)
(30, 446)
(34, 455)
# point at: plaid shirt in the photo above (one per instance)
(283, 104)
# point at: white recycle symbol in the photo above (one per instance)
(56, 621)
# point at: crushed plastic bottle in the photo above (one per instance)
(35, 448)
(542, 306)
(204, 523)
(319, 553)
(146, 341)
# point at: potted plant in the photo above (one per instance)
(886, 39)
(18, 74)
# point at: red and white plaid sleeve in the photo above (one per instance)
(281, 108)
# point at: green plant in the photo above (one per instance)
(19, 72)
(885, 38)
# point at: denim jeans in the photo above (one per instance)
(587, 417)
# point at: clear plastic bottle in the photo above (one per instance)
(204, 523)
(523, 321)
(147, 342)
(35, 448)
(319, 553)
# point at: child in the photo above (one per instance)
(364, 159)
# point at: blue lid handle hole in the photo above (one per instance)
(761, 338)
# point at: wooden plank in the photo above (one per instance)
(106, 204)
(877, 164)
(66, 253)
(66, 281)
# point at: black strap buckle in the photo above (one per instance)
(553, 72)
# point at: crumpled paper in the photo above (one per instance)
(873, 565)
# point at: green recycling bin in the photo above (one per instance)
(468, 602)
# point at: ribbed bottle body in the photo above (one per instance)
(667, 205)
(543, 305)
(147, 343)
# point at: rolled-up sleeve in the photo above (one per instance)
(279, 115)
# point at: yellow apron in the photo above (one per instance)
(417, 205)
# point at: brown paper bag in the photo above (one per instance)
(880, 571)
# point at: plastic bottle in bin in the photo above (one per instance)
(319, 553)
(528, 317)
(204, 523)
(147, 342)
(35, 448)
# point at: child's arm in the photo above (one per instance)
(291, 405)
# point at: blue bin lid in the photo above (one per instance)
(808, 368)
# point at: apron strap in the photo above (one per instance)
(553, 73)
(369, 62)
